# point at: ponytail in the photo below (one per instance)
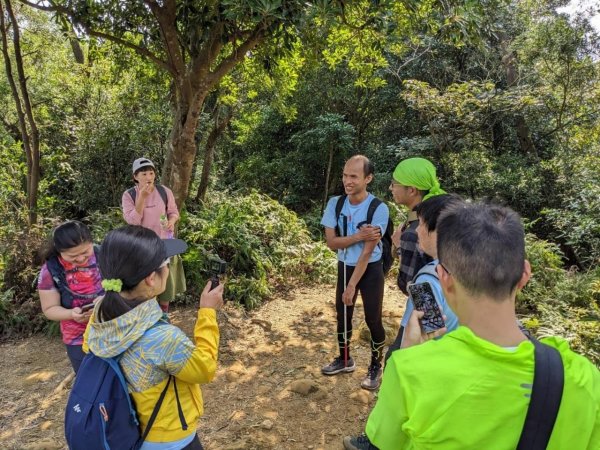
(129, 254)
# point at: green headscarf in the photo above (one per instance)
(420, 173)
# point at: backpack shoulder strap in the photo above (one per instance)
(132, 193)
(159, 187)
(339, 205)
(163, 194)
(54, 268)
(546, 395)
(156, 409)
(427, 269)
(372, 207)
(115, 366)
(338, 210)
(57, 271)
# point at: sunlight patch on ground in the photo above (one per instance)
(41, 376)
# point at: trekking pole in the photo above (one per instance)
(345, 318)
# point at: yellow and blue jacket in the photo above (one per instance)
(152, 349)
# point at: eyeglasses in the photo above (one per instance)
(444, 267)
(165, 263)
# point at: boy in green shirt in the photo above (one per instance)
(471, 388)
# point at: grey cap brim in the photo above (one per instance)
(174, 247)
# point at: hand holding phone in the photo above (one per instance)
(424, 300)
(87, 307)
(414, 334)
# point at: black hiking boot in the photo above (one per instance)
(338, 366)
(361, 442)
(373, 379)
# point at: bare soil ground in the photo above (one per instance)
(268, 393)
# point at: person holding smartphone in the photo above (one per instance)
(472, 388)
(426, 282)
(68, 283)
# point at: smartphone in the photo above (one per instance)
(87, 307)
(424, 300)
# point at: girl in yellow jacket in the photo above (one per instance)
(128, 321)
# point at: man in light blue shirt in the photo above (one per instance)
(360, 265)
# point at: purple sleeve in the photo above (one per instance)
(45, 281)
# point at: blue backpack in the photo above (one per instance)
(100, 414)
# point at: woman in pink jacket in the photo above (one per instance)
(153, 206)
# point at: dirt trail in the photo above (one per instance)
(268, 392)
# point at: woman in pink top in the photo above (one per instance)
(69, 282)
(153, 206)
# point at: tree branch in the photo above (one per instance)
(12, 129)
(209, 52)
(166, 18)
(40, 7)
(237, 55)
(136, 48)
(139, 50)
(575, 119)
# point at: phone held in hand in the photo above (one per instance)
(424, 300)
(87, 307)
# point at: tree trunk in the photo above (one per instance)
(327, 177)
(27, 124)
(209, 151)
(180, 161)
(509, 61)
(77, 50)
(180, 158)
(194, 75)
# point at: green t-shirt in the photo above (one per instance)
(462, 392)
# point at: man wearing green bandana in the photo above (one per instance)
(413, 181)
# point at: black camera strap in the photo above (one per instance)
(546, 395)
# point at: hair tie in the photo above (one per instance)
(114, 285)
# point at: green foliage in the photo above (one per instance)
(13, 213)
(100, 223)
(502, 96)
(546, 266)
(576, 221)
(264, 244)
(20, 311)
(560, 302)
(118, 124)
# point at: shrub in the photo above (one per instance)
(264, 244)
(101, 222)
(20, 311)
(561, 302)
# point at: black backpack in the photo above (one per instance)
(161, 190)
(59, 277)
(386, 239)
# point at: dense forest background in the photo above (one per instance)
(250, 108)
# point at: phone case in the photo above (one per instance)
(424, 300)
